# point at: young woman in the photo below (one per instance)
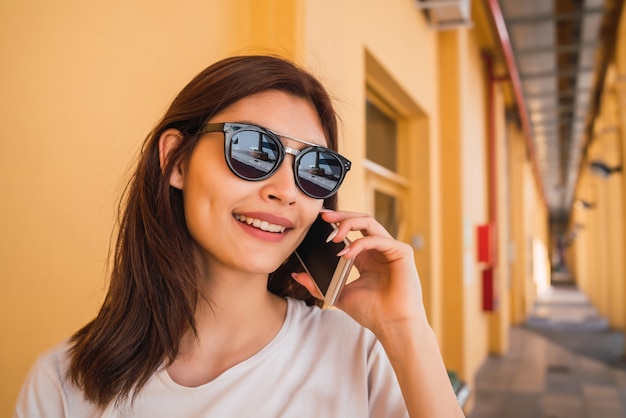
(208, 312)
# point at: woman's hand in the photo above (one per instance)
(387, 299)
(387, 292)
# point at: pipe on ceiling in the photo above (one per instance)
(493, 7)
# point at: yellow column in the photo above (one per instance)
(422, 219)
(618, 189)
(499, 319)
(598, 235)
(586, 228)
(620, 92)
(531, 214)
(452, 227)
(608, 232)
(613, 186)
(517, 162)
(276, 27)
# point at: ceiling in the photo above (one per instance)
(561, 49)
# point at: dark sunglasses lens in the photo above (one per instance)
(319, 173)
(253, 155)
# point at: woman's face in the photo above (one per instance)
(222, 210)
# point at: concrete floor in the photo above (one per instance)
(565, 362)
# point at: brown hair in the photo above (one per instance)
(153, 291)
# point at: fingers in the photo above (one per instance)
(351, 221)
(391, 249)
(307, 281)
(375, 236)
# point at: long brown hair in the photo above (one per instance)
(153, 290)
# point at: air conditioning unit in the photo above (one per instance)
(446, 14)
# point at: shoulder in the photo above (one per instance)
(47, 391)
(52, 364)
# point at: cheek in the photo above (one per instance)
(196, 212)
(205, 174)
(313, 208)
(199, 192)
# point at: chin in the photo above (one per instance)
(263, 267)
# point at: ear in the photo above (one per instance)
(167, 142)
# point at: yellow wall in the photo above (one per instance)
(596, 254)
(516, 162)
(85, 83)
(582, 253)
(611, 302)
(620, 92)
(499, 320)
(533, 216)
(528, 230)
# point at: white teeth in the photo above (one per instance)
(262, 225)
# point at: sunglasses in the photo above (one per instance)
(254, 154)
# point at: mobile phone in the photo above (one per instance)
(319, 259)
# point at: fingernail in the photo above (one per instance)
(331, 235)
(293, 275)
(326, 210)
(342, 252)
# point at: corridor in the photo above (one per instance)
(565, 362)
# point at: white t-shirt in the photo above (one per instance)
(320, 364)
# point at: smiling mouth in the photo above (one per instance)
(262, 225)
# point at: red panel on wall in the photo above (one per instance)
(485, 244)
(489, 291)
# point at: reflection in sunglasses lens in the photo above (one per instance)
(318, 172)
(253, 154)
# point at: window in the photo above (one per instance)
(386, 211)
(381, 137)
(387, 188)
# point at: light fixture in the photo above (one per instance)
(602, 169)
(446, 14)
(583, 204)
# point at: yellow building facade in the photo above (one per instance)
(84, 82)
(597, 228)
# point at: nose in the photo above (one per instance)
(281, 186)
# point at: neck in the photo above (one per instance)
(236, 317)
(232, 299)
(235, 305)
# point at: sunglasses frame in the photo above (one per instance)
(230, 128)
